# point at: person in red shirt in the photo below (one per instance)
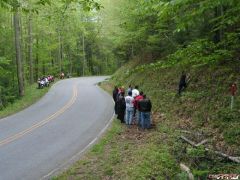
(233, 89)
(136, 106)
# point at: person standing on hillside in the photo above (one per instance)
(121, 107)
(135, 92)
(129, 108)
(114, 95)
(129, 88)
(184, 79)
(145, 107)
(136, 106)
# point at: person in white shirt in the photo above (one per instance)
(135, 92)
(129, 108)
(46, 81)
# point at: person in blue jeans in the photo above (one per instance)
(129, 108)
(145, 107)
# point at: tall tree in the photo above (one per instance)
(30, 48)
(20, 74)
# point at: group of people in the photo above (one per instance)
(132, 108)
(45, 81)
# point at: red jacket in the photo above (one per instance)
(137, 98)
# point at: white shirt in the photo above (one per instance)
(135, 93)
(129, 101)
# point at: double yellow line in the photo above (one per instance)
(43, 122)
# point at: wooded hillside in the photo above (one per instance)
(44, 37)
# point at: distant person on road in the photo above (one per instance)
(62, 75)
(121, 107)
(129, 108)
(46, 81)
(114, 95)
(136, 106)
(184, 79)
(145, 107)
(68, 75)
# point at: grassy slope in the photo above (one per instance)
(155, 154)
(203, 109)
(31, 96)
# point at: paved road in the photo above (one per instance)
(36, 142)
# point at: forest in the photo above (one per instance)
(41, 37)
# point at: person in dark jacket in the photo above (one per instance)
(145, 107)
(121, 107)
(115, 94)
(182, 83)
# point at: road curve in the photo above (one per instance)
(39, 140)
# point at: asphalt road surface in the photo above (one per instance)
(44, 138)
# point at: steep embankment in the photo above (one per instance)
(202, 112)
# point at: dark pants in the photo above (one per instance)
(121, 115)
(115, 107)
(181, 88)
(145, 120)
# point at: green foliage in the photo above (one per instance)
(15, 104)
(196, 153)
(154, 163)
(63, 37)
(228, 121)
(232, 135)
(203, 107)
(228, 116)
(201, 173)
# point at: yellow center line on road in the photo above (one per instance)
(43, 122)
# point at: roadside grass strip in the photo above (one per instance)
(32, 94)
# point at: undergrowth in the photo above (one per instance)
(32, 94)
(203, 108)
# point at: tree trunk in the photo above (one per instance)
(30, 43)
(84, 56)
(18, 53)
(37, 59)
(22, 47)
(219, 12)
(60, 51)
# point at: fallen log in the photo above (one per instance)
(193, 143)
(232, 158)
(183, 167)
(202, 142)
